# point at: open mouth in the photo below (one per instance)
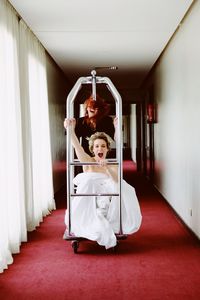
(100, 155)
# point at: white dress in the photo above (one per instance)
(97, 218)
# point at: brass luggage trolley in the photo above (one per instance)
(71, 162)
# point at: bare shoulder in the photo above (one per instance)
(113, 168)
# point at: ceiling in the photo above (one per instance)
(81, 35)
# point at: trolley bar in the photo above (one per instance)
(94, 94)
(77, 195)
(90, 163)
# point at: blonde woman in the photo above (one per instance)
(97, 218)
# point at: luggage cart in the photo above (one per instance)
(93, 80)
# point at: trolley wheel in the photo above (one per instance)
(75, 245)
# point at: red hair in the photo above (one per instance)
(103, 109)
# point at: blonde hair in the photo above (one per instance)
(101, 136)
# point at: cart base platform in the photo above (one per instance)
(75, 240)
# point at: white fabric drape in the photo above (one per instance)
(12, 204)
(36, 137)
(26, 189)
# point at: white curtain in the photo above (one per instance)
(26, 189)
(36, 137)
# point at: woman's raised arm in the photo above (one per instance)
(81, 154)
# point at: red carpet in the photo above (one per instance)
(161, 261)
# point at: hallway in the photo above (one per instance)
(160, 261)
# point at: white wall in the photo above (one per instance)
(58, 89)
(177, 133)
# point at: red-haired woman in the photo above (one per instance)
(96, 119)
